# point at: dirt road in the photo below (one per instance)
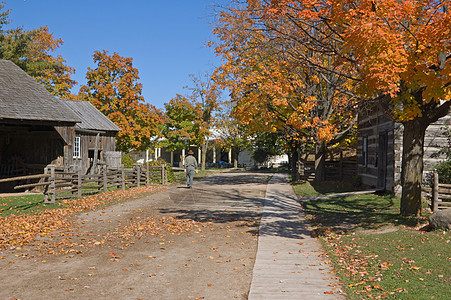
(138, 250)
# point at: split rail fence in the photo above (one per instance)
(439, 194)
(60, 184)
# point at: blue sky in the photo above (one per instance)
(166, 39)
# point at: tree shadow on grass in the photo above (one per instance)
(367, 212)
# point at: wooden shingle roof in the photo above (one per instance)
(91, 118)
(23, 98)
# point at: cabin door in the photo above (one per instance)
(382, 160)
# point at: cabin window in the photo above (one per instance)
(365, 151)
(77, 147)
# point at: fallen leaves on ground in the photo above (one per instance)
(17, 231)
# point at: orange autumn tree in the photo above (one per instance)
(112, 88)
(33, 51)
(274, 90)
(397, 53)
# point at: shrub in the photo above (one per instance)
(127, 161)
(444, 172)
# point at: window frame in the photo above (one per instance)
(365, 151)
(77, 147)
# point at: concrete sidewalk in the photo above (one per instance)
(288, 265)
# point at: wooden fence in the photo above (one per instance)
(60, 184)
(335, 170)
(439, 194)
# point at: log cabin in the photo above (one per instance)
(379, 148)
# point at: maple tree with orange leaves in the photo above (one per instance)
(392, 53)
(113, 89)
(275, 91)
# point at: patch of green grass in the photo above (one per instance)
(375, 251)
(401, 264)
(26, 204)
(368, 211)
(307, 189)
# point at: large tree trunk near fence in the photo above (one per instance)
(412, 166)
(294, 158)
(320, 162)
(412, 153)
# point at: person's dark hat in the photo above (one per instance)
(190, 152)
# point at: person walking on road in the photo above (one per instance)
(190, 168)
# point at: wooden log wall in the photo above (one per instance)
(373, 126)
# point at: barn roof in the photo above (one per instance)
(23, 98)
(91, 118)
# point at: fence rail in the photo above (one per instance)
(60, 184)
(334, 170)
(439, 194)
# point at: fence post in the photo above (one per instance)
(105, 180)
(435, 193)
(138, 176)
(163, 174)
(79, 182)
(123, 177)
(147, 174)
(46, 188)
(52, 187)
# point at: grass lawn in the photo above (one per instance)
(28, 204)
(375, 252)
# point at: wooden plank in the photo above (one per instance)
(444, 185)
(441, 196)
(444, 191)
(25, 186)
(58, 185)
(25, 177)
(92, 186)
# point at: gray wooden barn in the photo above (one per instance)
(379, 148)
(95, 136)
(37, 129)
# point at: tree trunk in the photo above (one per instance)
(320, 162)
(412, 166)
(235, 154)
(294, 158)
(204, 154)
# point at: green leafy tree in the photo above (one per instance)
(233, 135)
(180, 123)
(205, 96)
